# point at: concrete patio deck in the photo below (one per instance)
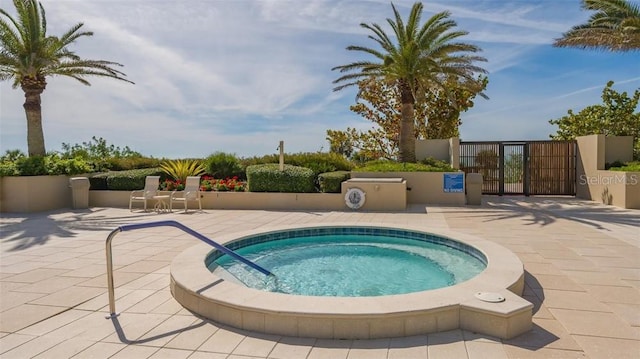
(582, 261)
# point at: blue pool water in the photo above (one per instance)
(349, 265)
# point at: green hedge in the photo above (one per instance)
(392, 166)
(224, 165)
(628, 167)
(128, 180)
(269, 178)
(318, 162)
(98, 181)
(331, 182)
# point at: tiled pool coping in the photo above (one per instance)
(348, 230)
(437, 310)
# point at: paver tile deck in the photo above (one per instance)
(582, 262)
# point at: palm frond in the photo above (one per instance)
(615, 27)
(34, 54)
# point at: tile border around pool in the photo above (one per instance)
(348, 230)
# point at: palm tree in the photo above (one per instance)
(423, 57)
(615, 26)
(28, 55)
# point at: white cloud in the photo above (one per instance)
(239, 76)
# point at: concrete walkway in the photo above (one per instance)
(582, 261)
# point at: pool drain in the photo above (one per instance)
(490, 297)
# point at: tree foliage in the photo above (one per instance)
(437, 115)
(614, 26)
(616, 116)
(416, 58)
(28, 55)
(97, 148)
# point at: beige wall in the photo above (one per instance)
(618, 148)
(447, 150)
(438, 149)
(379, 196)
(621, 189)
(273, 201)
(34, 193)
(422, 187)
(233, 200)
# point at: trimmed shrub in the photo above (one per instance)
(269, 178)
(318, 162)
(130, 180)
(66, 166)
(331, 182)
(224, 165)
(627, 167)
(98, 181)
(392, 166)
(130, 163)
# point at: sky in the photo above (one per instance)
(239, 76)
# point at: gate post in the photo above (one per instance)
(501, 169)
(526, 169)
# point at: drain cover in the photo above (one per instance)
(490, 297)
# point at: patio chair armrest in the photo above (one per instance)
(138, 191)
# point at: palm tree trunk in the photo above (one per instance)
(33, 110)
(407, 141)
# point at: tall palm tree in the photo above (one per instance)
(615, 26)
(421, 57)
(28, 55)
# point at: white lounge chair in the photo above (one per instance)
(191, 193)
(150, 192)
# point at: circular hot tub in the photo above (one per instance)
(222, 297)
(348, 261)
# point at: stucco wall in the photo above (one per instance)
(34, 193)
(621, 189)
(618, 148)
(447, 150)
(422, 187)
(379, 196)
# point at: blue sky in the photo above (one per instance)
(238, 76)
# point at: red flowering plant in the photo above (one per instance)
(171, 185)
(209, 183)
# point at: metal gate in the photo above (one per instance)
(522, 167)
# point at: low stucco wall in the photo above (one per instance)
(34, 193)
(379, 196)
(234, 200)
(447, 150)
(422, 187)
(620, 189)
(270, 200)
(44, 193)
